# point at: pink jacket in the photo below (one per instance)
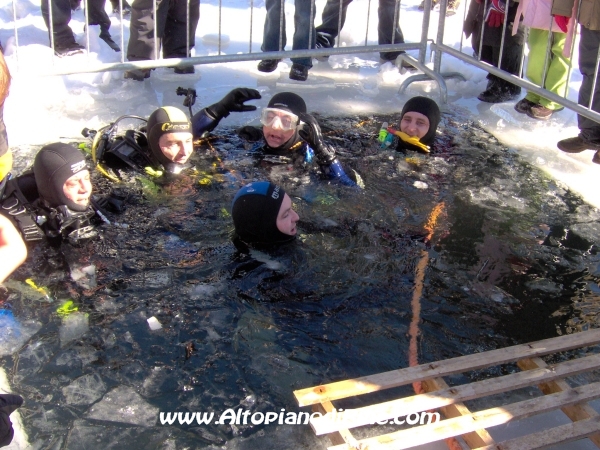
(536, 14)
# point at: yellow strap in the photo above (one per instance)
(410, 140)
(153, 173)
(42, 290)
(105, 172)
(6, 163)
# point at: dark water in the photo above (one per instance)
(510, 257)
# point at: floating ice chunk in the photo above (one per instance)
(212, 334)
(84, 390)
(73, 327)
(85, 277)
(420, 185)
(27, 292)
(313, 83)
(154, 323)
(509, 117)
(124, 405)
(270, 263)
(14, 333)
(213, 39)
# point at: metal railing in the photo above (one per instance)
(440, 48)
(89, 66)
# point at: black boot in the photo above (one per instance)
(268, 65)
(298, 72)
(106, 37)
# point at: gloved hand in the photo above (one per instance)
(115, 202)
(233, 101)
(495, 15)
(250, 133)
(562, 22)
(311, 133)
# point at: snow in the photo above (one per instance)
(40, 110)
(43, 109)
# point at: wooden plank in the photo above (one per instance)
(400, 377)
(340, 436)
(474, 439)
(482, 419)
(574, 412)
(551, 437)
(425, 402)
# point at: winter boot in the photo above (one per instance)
(137, 74)
(106, 37)
(299, 72)
(68, 50)
(524, 105)
(577, 145)
(452, 7)
(268, 65)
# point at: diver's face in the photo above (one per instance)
(287, 217)
(278, 126)
(78, 188)
(177, 146)
(414, 124)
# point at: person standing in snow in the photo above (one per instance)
(587, 14)
(388, 28)
(274, 32)
(172, 35)
(64, 39)
(484, 26)
(536, 16)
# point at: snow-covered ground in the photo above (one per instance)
(40, 110)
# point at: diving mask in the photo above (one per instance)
(279, 118)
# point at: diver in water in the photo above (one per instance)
(263, 216)
(53, 199)
(293, 138)
(165, 143)
(419, 120)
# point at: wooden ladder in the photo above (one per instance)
(459, 421)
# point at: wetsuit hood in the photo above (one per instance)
(286, 101)
(428, 108)
(53, 166)
(162, 121)
(255, 209)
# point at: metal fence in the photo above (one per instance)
(54, 66)
(437, 47)
(472, 57)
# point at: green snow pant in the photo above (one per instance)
(556, 68)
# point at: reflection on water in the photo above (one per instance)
(510, 256)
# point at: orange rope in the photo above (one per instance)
(413, 329)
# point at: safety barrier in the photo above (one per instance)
(439, 47)
(57, 68)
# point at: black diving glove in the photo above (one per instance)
(233, 101)
(250, 133)
(115, 202)
(311, 133)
